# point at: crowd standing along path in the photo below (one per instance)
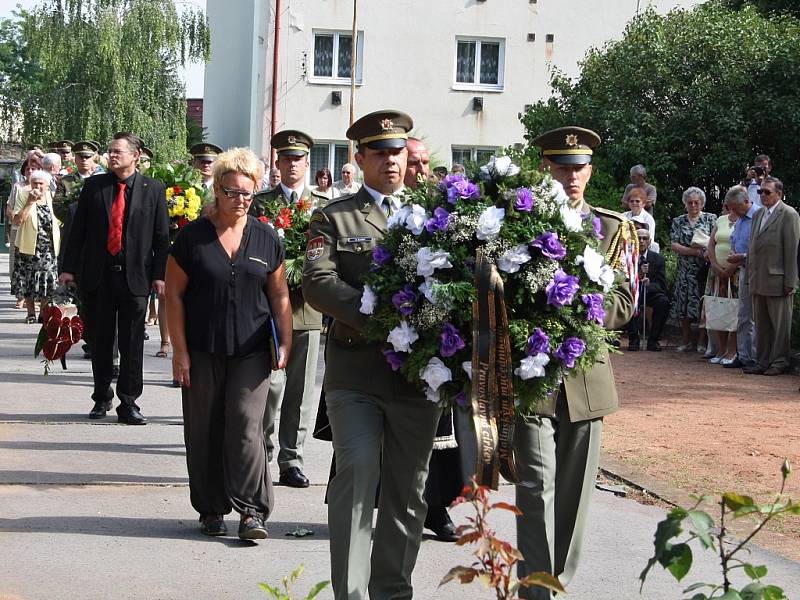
(96, 510)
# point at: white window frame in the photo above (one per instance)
(473, 151)
(335, 173)
(501, 62)
(334, 80)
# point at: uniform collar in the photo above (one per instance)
(287, 191)
(378, 197)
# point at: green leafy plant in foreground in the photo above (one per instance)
(287, 582)
(496, 558)
(677, 557)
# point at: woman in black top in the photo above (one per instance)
(225, 283)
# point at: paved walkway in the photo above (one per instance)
(97, 510)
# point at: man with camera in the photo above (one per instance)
(762, 166)
(652, 293)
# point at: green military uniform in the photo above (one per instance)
(205, 152)
(293, 388)
(557, 457)
(381, 425)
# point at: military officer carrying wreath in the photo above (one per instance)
(381, 425)
(293, 388)
(557, 454)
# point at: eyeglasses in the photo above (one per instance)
(644, 239)
(229, 193)
(763, 192)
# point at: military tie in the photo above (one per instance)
(294, 198)
(386, 205)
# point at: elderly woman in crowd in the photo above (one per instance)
(637, 198)
(324, 181)
(722, 279)
(29, 165)
(225, 284)
(37, 243)
(690, 234)
(638, 176)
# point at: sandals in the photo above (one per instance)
(30, 319)
(152, 321)
(163, 351)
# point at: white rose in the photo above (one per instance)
(467, 366)
(402, 336)
(513, 258)
(559, 195)
(532, 366)
(572, 218)
(490, 222)
(499, 166)
(432, 395)
(426, 289)
(593, 263)
(398, 218)
(416, 219)
(368, 301)
(435, 373)
(429, 260)
(606, 278)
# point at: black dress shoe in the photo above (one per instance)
(755, 370)
(736, 364)
(100, 409)
(146, 336)
(653, 346)
(213, 525)
(439, 522)
(252, 528)
(293, 477)
(114, 372)
(129, 415)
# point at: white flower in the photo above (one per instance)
(499, 166)
(532, 366)
(402, 336)
(432, 395)
(368, 301)
(513, 258)
(490, 222)
(416, 219)
(596, 268)
(559, 195)
(572, 218)
(398, 218)
(606, 277)
(467, 366)
(426, 289)
(429, 260)
(435, 373)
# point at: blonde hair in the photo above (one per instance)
(238, 160)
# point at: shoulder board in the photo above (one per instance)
(605, 212)
(337, 201)
(316, 193)
(263, 194)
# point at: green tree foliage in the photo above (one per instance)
(768, 7)
(692, 95)
(103, 66)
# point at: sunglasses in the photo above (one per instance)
(229, 193)
(763, 192)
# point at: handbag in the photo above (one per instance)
(700, 239)
(722, 314)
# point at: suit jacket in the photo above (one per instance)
(592, 394)
(772, 257)
(146, 242)
(304, 317)
(656, 272)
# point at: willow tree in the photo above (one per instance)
(109, 65)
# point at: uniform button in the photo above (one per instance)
(349, 340)
(359, 248)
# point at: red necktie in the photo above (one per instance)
(114, 243)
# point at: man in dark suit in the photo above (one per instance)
(652, 293)
(117, 251)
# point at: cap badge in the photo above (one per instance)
(291, 139)
(387, 125)
(572, 140)
(206, 149)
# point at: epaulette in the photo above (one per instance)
(338, 200)
(606, 212)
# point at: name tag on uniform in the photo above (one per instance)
(315, 248)
(355, 240)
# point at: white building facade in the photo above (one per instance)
(463, 69)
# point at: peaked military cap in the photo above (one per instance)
(204, 150)
(61, 145)
(85, 148)
(568, 145)
(381, 129)
(147, 152)
(291, 142)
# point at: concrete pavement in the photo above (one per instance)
(97, 510)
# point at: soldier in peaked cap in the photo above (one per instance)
(557, 453)
(375, 415)
(203, 156)
(64, 149)
(145, 159)
(293, 388)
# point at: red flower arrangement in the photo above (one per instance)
(57, 335)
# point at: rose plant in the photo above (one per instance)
(420, 290)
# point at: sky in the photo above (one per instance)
(192, 75)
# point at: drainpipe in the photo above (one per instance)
(275, 75)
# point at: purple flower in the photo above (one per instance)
(380, 255)
(538, 343)
(395, 359)
(594, 307)
(449, 180)
(405, 300)
(440, 220)
(550, 245)
(524, 201)
(459, 187)
(461, 398)
(451, 340)
(569, 350)
(598, 228)
(561, 291)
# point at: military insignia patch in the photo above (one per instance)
(572, 140)
(317, 216)
(387, 125)
(291, 139)
(314, 248)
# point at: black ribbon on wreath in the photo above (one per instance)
(493, 412)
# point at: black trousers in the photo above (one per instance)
(112, 311)
(660, 304)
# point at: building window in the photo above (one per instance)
(479, 63)
(472, 154)
(333, 56)
(332, 155)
